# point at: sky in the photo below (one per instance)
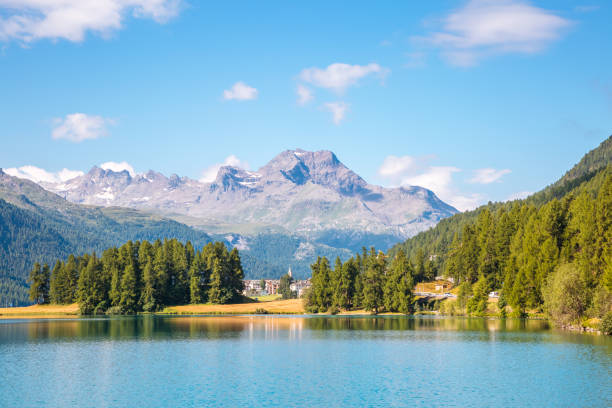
(481, 100)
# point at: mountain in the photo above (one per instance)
(299, 205)
(39, 226)
(298, 192)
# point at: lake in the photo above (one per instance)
(264, 361)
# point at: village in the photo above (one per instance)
(262, 287)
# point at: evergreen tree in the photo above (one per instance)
(320, 295)
(39, 284)
(236, 274)
(71, 273)
(399, 284)
(198, 277)
(55, 283)
(345, 288)
(147, 298)
(129, 285)
(284, 287)
(90, 293)
(373, 282)
(218, 292)
(477, 304)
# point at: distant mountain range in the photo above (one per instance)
(298, 206)
(297, 192)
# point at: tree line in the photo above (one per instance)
(141, 277)
(528, 252)
(367, 280)
(553, 256)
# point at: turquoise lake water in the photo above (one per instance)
(198, 361)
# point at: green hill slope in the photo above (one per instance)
(517, 247)
(38, 226)
(435, 243)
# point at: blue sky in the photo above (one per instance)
(477, 100)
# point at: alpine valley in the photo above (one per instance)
(298, 206)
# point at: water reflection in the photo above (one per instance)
(152, 328)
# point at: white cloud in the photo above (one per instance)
(436, 178)
(30, 20)
(394, 166)
(305, 95)
(209, 175)
(118, 166)
(240, 92)
(338, 76)
(337, 109)
(519, 196)
(77, 127)
(488, 27)
(415, 171)
(38, 175)
(488, 175)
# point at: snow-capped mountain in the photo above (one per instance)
(298, 191)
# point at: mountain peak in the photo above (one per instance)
(233, 178)
(298, 190)
(98, 172)
(319, 167)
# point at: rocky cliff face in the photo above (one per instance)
(298, 192)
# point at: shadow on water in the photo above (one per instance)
(163, 328)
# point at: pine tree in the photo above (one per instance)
(72, 277)
(160, 272)
(90, 293)
(198, 277)
(147, 298)
(284, 287)
(219, 291)
(55, 283)
(373, 298)
(39, 284)
(477, 304)
(398, 285)
(129, 295)
(320, 296)
(345, 289)
(236, 274)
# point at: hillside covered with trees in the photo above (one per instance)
(140, 276)
(550, 252)
(38, 234)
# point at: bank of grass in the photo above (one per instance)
(290, 306)
(266, 298)
(40, 311)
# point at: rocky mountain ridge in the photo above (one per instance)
(298, 191)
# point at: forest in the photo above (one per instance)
(366, 281)
(141, 277)
(551, 252)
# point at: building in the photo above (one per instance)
(300, 286)
(252, 287)
(272, 286)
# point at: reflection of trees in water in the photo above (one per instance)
(424, 323)
(125, 328)
(151, 328)
(154, 328)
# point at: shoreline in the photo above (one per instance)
(290, 307)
